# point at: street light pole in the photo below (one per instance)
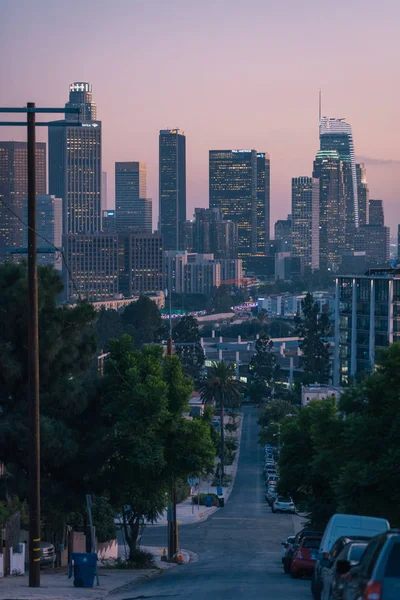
(33, 362)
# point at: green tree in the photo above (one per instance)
(263, 369)
(226, 391)
(108, 327)
(314, 328)
(142, 321)
(67, 348)
(191, 356)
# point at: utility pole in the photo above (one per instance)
(33, 333)
(172, 528)
(33, 362)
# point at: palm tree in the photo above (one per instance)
(222, 387)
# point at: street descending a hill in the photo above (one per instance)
(238, 547)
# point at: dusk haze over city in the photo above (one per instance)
(199, 299)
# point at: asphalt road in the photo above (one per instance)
(238, 547)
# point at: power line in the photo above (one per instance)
(61, 251)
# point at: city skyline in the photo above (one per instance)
(287, 94)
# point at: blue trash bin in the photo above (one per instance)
(209, 501)
(84, 566)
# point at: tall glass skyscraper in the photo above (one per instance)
(48, 227)
(305, 221)
(80, 96)
(14, 188)
(363, 195)
(336, 134)
(75, 165)
(172, 186)
(133, 211)
(239, 186)
(328, 168)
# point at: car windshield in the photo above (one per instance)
(393, 563)
(284, 499)
(307, 543)
(356, 552)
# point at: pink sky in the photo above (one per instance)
(230, 73)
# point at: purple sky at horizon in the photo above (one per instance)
(230, 73)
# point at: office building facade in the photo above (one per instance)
(376, 214)
(367, 318)
(133, 210)
(305, 221)
(283, 234)
(14, 189)
(214, 234)
(363, 195)
(172, 186)
(336, 134)
(48, 227)
(328, 169)
(374, 240)
(75, 166)
(141, 263)
(80, 96)
(108, 221)
(240, 193)
(93, 266)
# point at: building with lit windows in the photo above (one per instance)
(239, 186)
(133, 210)
(363, 195)
(374, 240)
(367, 318)
(141, 263)
(172, 186)
(93, 266)
(305, 221)
(328, 168)
(14, 188)
(214, 234)
(48, 227)
(336, 134)
(376, 214)
(283, 234)
(75, 164)
(108, 221)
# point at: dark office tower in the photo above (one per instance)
(263, 201)
(398, 244)
(305, 221)
(48, 227)
(187, 238)
(14, 188)
(283, 234)
(233, 189)
(332, 216)
(80, 96)
(374, 240)
(141, 263)
(376, 215)
(172, 186)
(133, 211)
(75, 171)
(108, 221)
(363, 195)
(213, 234)
(104, 189)
(336, 134)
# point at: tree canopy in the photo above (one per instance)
(314, 327)
(186, 331)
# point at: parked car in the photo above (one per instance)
(352, 552)
(272, 478)
(350, 526)
(285, 546)
(328, 568)
(47, 554)
(305, 557)
(293, 547)
(283, 504)
(377, 576)
(271, 496)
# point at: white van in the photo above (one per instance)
(342, 525)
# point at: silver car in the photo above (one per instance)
(283, 504)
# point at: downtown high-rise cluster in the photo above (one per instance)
(333, 224)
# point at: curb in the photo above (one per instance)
(141, 579)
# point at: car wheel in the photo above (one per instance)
(295, 574)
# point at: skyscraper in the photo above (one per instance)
(141, 263)
(75, 164)
(328, 168)
(239, 186)
(108, 221)
(14, 188)
(363, 195)
(48, 227)
(172, 186)
(80, 96)
(215, 235)
(133, 211)
(336, 134)
(263, 201)
(283, 233)
(376, 215)
(305, 220)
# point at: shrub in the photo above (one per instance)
(203, 499)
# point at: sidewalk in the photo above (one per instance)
(188, 513)
(55, 584)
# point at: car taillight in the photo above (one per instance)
(373, 591)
